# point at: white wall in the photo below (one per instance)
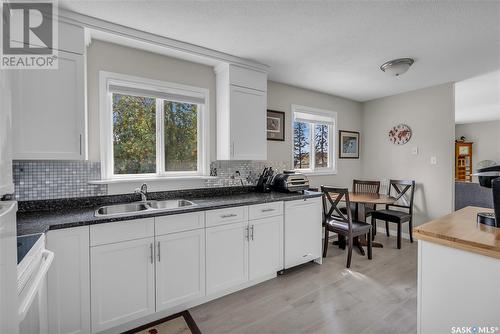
(486, 138)
(430, 114)
(281, 97)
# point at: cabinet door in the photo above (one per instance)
(122, 282)
(180, 268)
(6, 184)
(303, 227)
(68, 281)
(248, 124)
(266, 246)
(48, 111)
(227, 256)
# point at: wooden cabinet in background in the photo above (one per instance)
(463, 161)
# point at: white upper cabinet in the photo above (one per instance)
(241, 113)
(49, 106)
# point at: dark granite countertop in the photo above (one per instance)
(35, 219)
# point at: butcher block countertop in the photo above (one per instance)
(460, 230)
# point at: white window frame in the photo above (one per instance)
(106, 125)
(332, 140)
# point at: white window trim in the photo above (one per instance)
(106, 126)
(332, 140)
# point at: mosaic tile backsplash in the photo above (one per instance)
(49, 179)
(242, 172)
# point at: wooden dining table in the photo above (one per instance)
(361, 200)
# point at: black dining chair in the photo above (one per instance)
(334, 220)
(369, 187)
(403, 191)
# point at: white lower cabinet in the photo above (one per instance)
(303, 231)
(122, 281)
(266, 247)
(180, 268)
(242, 252)
(227, 256)
(111, 274)
(68, 281)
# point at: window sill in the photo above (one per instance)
(317, 173)
(152, 179)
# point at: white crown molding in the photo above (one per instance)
(190, 50)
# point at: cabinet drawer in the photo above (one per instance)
(265, 210)
(121, 231)
(243, 77)
(226, 216)
(179, 223)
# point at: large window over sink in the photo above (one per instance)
(313, 140)
(152, 128)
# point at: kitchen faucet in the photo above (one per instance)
(143, 190)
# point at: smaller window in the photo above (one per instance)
(313, 140)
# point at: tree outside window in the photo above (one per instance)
(135, 135)
(321, 145)
(313, 140)
(301, 145)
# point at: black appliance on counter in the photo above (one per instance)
(289, 181)
(489, 177)
(265, 179)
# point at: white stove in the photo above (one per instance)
(32, 284)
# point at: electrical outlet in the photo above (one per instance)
(434, 160)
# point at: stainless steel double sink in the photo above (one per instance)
(136, 208)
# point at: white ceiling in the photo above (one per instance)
(330, 46)
(478, 99)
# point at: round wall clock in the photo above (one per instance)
(400, 134)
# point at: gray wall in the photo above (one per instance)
(486, 138)
(430, 114)
(103, 56)
(115, 58)
(349, 117)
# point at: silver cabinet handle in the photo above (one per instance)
(229, 215)
(80, 144)
(247, 233)
(267, 210)
(159, 259)
(151, 252)
(232, 148)
(252, 228)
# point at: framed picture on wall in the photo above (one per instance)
(275, 125)
(348, 144)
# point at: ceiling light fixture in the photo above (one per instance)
(396, 67)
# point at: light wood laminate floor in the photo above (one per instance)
(377, 296)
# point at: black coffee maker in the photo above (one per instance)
(489, 177)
